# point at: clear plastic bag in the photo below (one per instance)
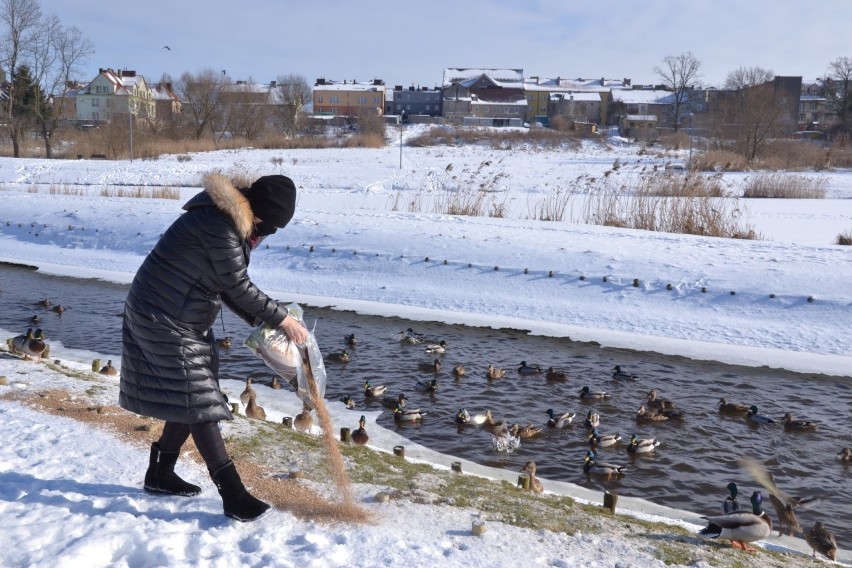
(289, 360)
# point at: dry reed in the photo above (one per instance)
(785, 186)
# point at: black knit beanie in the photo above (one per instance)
(273, 199)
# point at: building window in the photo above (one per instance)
(377, 100)
(333, 100)
(96, 102)
(108, 103)
(319, 99)
(362, 100)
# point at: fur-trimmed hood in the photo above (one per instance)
(225, 196)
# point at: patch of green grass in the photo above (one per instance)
(95, 390)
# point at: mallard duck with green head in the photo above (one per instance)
(348, 401)
(593, 467)
(620, 375)
(603, 441)
(427, 386)
(437, 348)
(372, 391)
(359, 435)
(391, 402)
(642, 445)
(559, 421)
(755, 417)
(592, 420)
(32, 344)
(730, 504)
(433, 367)
(741, 528)
(587, 394)
(529, 370)
(402, 414)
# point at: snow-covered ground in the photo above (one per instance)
(365, 238)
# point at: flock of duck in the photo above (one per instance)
(738, 525)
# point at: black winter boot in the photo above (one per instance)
(238, 503)
(161, 477)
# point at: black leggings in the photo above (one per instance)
(207, 438)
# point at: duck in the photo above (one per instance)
(462, 416)
(433, 367)
(591, 466)
(756, 418)
(427, 386)
(784, 505)
(645, 417)
(535, 485)
(108, 369)
(552, 374)
(30, 345)
(730, 504)
(524, 432)
(655, 403)
(410, 337)
(604, 441)
(436, 348)
(350, 340)
(339, 357)
(620, 375)
(459, 370)
(528, 370)
(35, 318)
(726, 407)
(253, 410)
(247, 392)
(225, 342)
(498, 428)
(792, 425)
(372, 391)
(304, 420)
(391, 402)
(642, 445)
(586, 394)
(276, 383)
(559, 421)
(44, 302)
(845, 455)
(359, 435)
(348, 401)
(58, 308)
(493, 372)
(821, 540)
(402, 414)
(741, 528)
(592, 421)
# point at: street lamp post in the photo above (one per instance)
(691, 132)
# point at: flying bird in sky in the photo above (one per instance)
(167, 47)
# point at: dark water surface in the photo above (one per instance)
(697, 458)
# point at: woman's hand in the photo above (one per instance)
(294, 330)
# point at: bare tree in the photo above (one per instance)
(246, 108)
(201, 98)
(291, 94)
(19, 20)
(56, 54)
(748, 77)
(752, 115)
(838, 90)
(678, 73)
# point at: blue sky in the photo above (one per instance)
(410, 43)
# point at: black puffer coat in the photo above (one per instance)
(170, 361)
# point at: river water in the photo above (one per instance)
(696, 459)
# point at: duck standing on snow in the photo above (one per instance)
(253, 410)
(108, 369)
(821, 540)
(30, 345)
(741, 528)
(304, 421)
(247, 392)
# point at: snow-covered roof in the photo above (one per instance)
(328, 85)
(561, 84)
(642, 117)
(503, 77)
(588, 96)
(649, 96)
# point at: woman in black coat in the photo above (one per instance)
(170, 361)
